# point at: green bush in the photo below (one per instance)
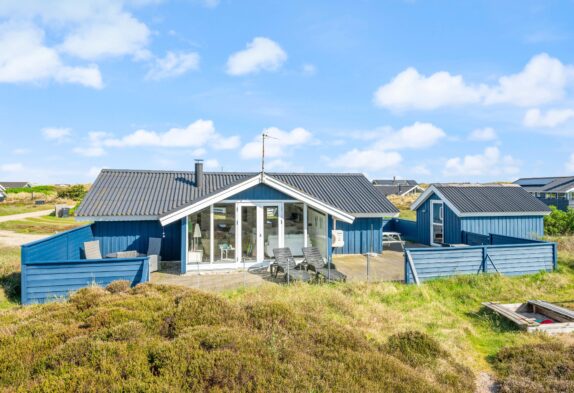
(559, 222)
(36, 189)
(536, 368)
(166, 338)
(75, 192)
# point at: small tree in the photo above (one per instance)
(559, 222)
(75, 192)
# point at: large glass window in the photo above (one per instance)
(199, 236)
(224, 232)
(249, 233)
(317, 230)
(294, 228)
(270, 229)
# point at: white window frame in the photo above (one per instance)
(432, 223)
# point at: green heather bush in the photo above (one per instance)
(559, 222)
(172, 339)
(75, 192)
(536, 368)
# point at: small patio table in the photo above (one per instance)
(393, 237)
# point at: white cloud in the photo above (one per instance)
(411, 90)
(262, 54)
(212, 164)
(490, 163)
(196, 135)
(90, 151)
(93, 172)
(570, 163)
(309, 69)
(483, 134)
(421, 170)
(24, 58)
(112, 33)
(552, 118)
(208, 3)
(11, 168)
(58, 134)
(280, 144)
(173, 64)
(20, 151)
(384, 143)
(368, 159)
(544, 79)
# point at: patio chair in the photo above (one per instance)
(285, 263)
(316, 263)
(92, 250)
(153, 252)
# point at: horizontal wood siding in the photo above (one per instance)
(359, 236)
(516, 259)
(134, 235)
(51, 280)
(260, 192)
(63, 246)
(529, 227)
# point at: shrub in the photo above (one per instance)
(546, 367)
(559, 222)
(415, 348)
(118, 286)
(75, 192)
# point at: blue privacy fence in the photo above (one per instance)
(516, 258)
(407, 228)
(55, 266)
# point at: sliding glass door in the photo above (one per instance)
(248, 239)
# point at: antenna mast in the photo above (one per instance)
(264, 136)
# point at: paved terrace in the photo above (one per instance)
(386, 267)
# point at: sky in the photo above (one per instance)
(432, 90)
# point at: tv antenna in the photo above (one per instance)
(264, 136)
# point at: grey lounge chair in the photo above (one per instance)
(316, 263)
(153, 252)
(285, 263)
(92, 250)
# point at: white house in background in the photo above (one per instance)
(2, 193)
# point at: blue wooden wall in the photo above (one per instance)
(362, 236)
(64, 246)
(134, 235)
(52, 280)
(260, 192)
(407, 228)
(512, 259)
(529, 227)
(517, 226)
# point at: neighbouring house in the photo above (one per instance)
(2, 193)
(218, 220)
(553, 191)
(15, 184)
(397, 187)
(445, 211)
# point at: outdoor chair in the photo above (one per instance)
(316, 263)
(285, 263)
(153, 252)
(92, 250)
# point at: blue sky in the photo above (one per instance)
(437, 91)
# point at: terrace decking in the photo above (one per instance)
(386, 267)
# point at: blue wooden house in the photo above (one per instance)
(224, 220)
(445, 211)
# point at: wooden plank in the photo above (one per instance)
(516, 318)
(553, 311)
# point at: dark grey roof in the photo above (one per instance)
(491, 199)
(546, 184)
(156, 193)
(14, 184)
(393, 190)
(395, 182)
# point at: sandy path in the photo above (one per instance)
(22, 216)
(13, 239)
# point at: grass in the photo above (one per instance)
(352, 337)
(41, 225)
(408, 214)
(7, 209)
